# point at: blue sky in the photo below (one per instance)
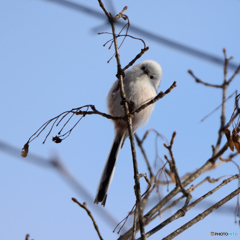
(52, 60)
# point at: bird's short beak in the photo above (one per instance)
(146, 71)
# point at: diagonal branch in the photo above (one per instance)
(204, 83)
(140, 142)
(84, 206)
(159, 96)
(203, 215)
(182, 212)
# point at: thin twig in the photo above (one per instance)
(123, 222)
(139, 142)
(234, 74)
(173, 167)
(134, 206)
(159, 96)
(84, 206)
(204, 83)
(185, 176)
(103, 8)
(122, 35)
(235, 92)
(136, 58)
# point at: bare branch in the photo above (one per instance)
(103, 8)
(209, 164)
(203, 215)
(182, 212)
(84, 206)
(235, 92)
(125, 35)
(159, 96)
(190, 189)
(134, 208)
(139, 142)
(129, 121)
(58, 119)
(136, 58)
(173, 167)
(204, 83)
(234, 74)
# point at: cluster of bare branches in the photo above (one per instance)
(169, 166)
(182, 182)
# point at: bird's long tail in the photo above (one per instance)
(108, 171)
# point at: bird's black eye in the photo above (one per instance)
(151, 77)
(143, 68)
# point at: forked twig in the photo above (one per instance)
(173, 167)
(84, 206)
(134, 208)
(59, 118)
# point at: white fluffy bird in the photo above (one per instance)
(140, 84)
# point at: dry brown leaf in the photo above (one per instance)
(24, 151)
(231, 143)
(171, 175)
(229, 139)
(236, 139)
